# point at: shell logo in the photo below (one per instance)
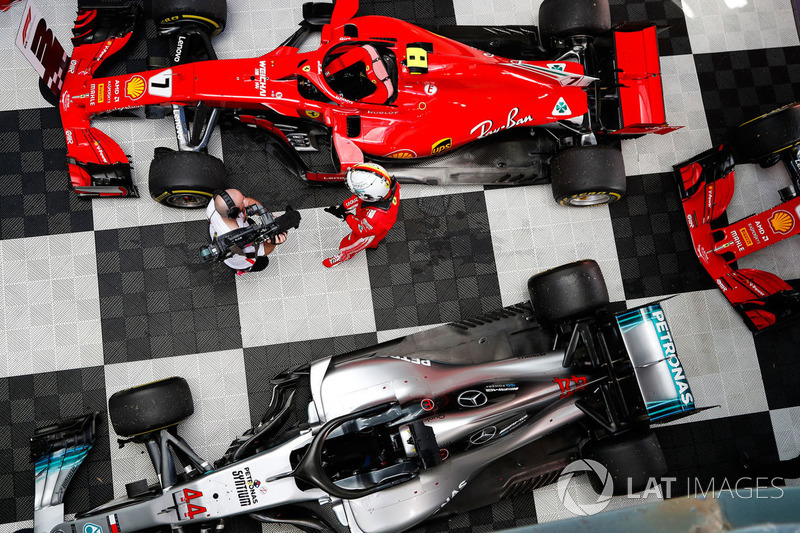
(781, 222)
(402, 154)
(134, 87)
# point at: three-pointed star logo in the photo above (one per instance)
(484, 435)
(472, 398)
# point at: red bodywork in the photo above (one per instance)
(706, 185)
(5, 5)
(465, 95)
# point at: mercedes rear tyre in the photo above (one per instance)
(185, 179)
(631, 461)
(570, 18)
(211, 14)
(146, 408)
(568, 291)
(585, 176)
(762, 139)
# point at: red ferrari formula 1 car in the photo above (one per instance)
(706, 185)
(529, 104)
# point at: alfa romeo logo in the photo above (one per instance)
(472, 398)
(584, 508)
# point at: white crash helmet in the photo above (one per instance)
(368, 181)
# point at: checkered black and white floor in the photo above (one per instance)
(100, 295)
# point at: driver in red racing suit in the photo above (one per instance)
(370, 212)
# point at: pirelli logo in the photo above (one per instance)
(746, 237)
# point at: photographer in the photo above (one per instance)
(226, 212)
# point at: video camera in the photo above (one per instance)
(261, 229)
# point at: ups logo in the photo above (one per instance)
(441, 146)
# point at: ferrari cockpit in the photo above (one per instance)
(362, 72)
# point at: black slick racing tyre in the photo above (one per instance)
(568, 18)
(761, 139)
(585, 176)
(212, 14)
(568, 291)
(150, 407)
(185, 179)
(630, 459)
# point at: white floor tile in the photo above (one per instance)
(531, 233)
(728, 25)
(296, 298)
(786, 425)
(49, 304)
(15, 526)
(497, 12)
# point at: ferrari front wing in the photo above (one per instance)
(706, 185)
(97, 165)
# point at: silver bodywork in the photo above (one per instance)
(477, 413)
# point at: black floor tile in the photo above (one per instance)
(436, 264)
(780, 365)
(707, 453)
(157, 299)
(511, 512)
(35, 195)
(260, 175)
(28, 402)
(738, 86)
(653, 243)
(422, 12)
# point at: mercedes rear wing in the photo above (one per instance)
(659, 372)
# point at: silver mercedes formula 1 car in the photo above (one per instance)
(384, 438)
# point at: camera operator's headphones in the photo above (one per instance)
(233, 210)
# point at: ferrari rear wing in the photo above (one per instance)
(637, 82)
(706, 185)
